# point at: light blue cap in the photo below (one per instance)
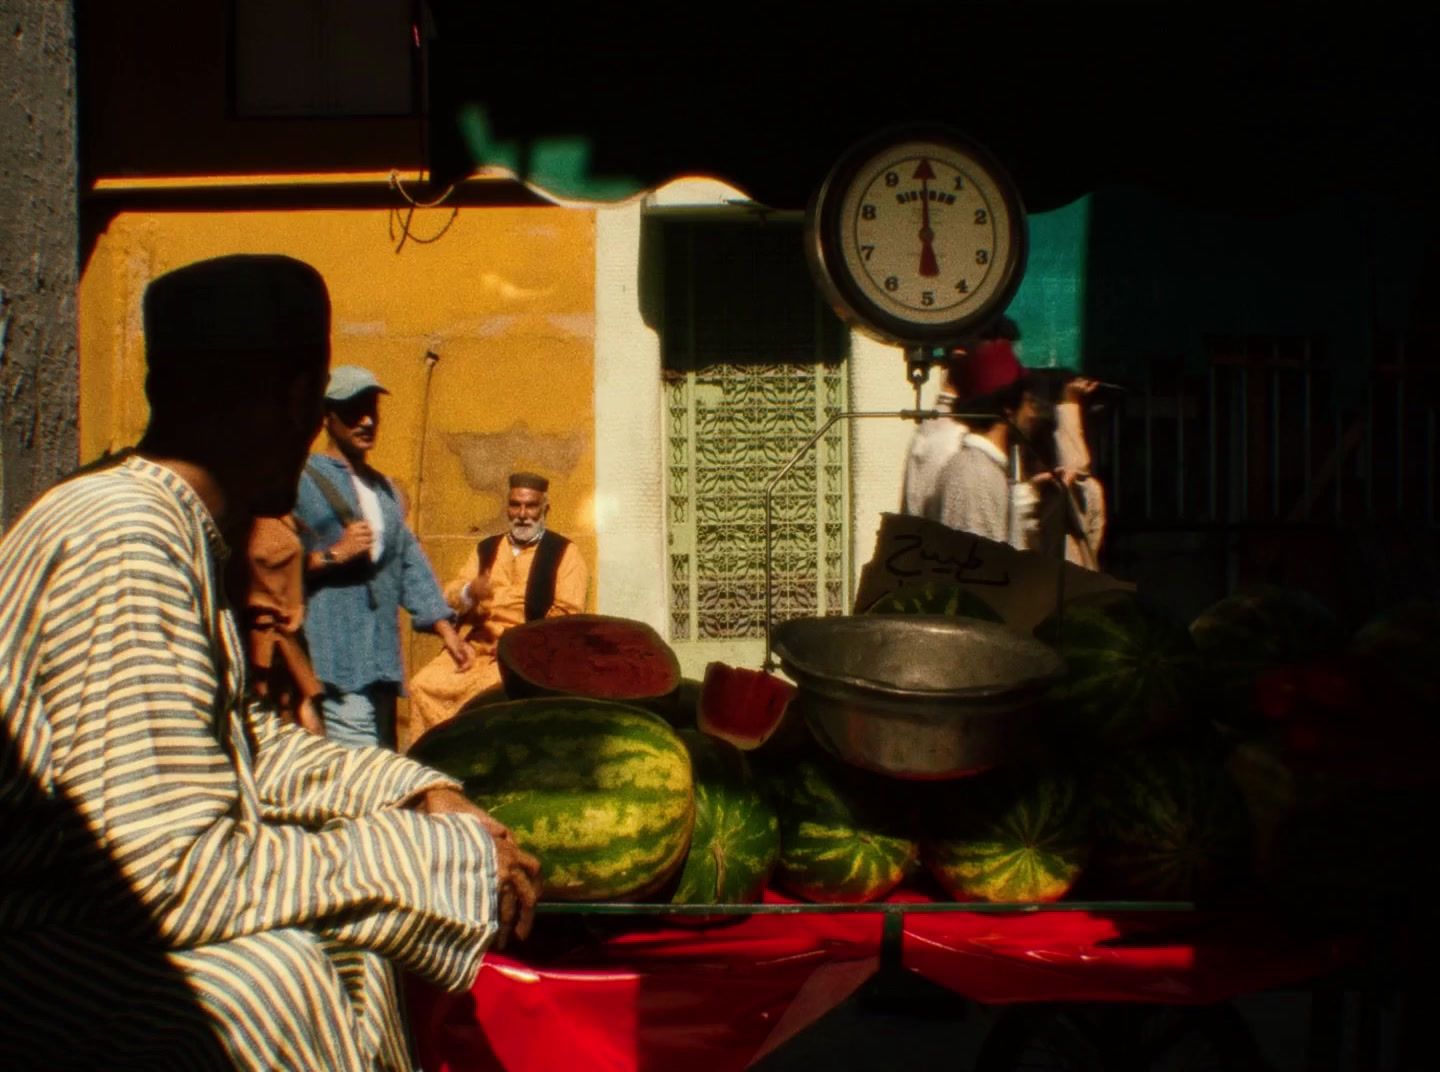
(347, 381)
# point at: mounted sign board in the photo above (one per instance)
(1021, 586)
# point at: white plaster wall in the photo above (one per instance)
(629, 453)
(629, 446)
(878, 445)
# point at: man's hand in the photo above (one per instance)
(1079, 389)
(356, 540)
(460, 652)
(517, 871)
(479, 588)
(307, 714)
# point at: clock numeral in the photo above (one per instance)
(866, 251)
(892, 283)
(982, 256)
(963, 286)
(981, 216)
(927, 297)
(892, 179)
(959, 183)
(867, 212)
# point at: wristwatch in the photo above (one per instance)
(329, 557)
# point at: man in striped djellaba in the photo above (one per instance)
(185, 882)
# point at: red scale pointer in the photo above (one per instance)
(928, 265)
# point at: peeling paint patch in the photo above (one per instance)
(488, 458)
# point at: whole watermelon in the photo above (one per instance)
(1129, 669)
(601, 792)
(592, 655)
(1019, 835)
(1400, 647)
(1169, 825)
(841, 836)
(1246, 638)
(736, 838)
(935, 597)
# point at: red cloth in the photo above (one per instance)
(707, 999)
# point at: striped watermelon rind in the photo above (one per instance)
(1013, 837)
(736, 837)
(601, 792)
(1170, 825)
(935, 597)
(1244, 635)
(839, 838)
(1130, 671)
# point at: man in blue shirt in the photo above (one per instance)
(362, 563)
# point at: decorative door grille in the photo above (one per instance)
(754, 364)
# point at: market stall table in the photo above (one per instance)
(635, 987)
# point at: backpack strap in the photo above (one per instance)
(343, 510)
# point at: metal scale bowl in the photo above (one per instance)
(918, 697)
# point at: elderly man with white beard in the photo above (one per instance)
(520, 575)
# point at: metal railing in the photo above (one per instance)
(1269, 439)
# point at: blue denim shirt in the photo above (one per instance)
(351, 619)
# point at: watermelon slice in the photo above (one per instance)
(591, 655)
(744, 707)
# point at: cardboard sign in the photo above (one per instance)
(1023, 587)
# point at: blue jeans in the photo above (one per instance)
(356, 719)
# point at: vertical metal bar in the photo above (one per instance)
(1307, 443)
(1244, 444)
(1400, 431)
(1115, 467)
(1370, 447)
(1339, 463)
(1430, 465)
(1214, 446)
(1180, 445)
(1275, 433)
(1149, 446)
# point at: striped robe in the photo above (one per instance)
(185, 883)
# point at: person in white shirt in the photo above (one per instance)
(936, 441)
(976, 490)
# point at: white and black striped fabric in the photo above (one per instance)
(185, 883)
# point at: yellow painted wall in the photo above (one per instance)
(505, 296)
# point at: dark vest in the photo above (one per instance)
(540, 587)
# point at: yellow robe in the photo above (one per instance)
(438, 690)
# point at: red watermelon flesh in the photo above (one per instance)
(744, 707)
(591, 655)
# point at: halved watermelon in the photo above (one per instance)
(592, 655)
(744, 707)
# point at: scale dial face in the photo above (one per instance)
(917, 238)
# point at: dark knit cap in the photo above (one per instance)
(236, 304)
(534, 481)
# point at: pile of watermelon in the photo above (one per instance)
(1257, 752)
